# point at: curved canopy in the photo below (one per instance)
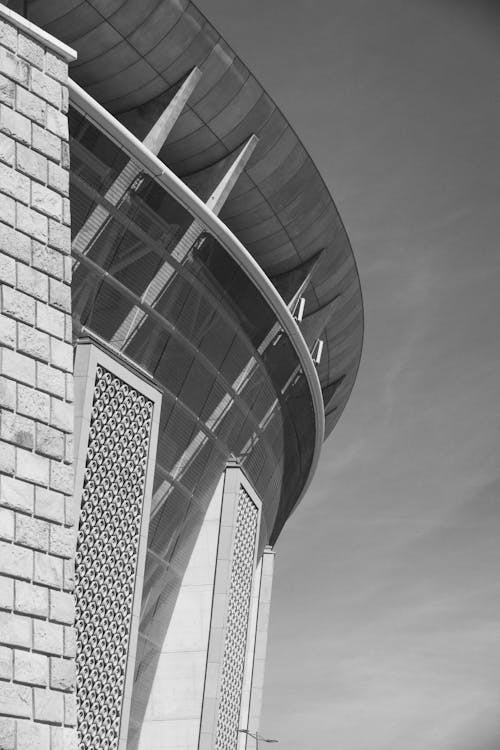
(132, 57)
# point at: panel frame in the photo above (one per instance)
(89, 355)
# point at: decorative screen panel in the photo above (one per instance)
(237, 623)
(107, 553)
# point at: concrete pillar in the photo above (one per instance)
(37, 638)
(232, 614)
(117, 415)
(172, 719)
(198, 695)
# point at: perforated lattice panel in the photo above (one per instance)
(240, 590)
(107, 550)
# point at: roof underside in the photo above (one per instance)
(132, 56)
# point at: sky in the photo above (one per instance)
(385, 623)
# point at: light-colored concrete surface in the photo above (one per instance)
(176, 698)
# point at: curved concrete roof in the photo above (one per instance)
(132, 56)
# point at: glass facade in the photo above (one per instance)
(153, 283)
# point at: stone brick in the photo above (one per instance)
(33, 342)
(63, 738)
(8, 35)
(48, 637)
(5, 669)
(17, 366)
(55, 67)
(49, 319)
(47, 259)
(65, 155)
(6, 593)
(7, 332)
(31, 599)
(8, 734)
(15, 700)
(14, 243)
(60, 237)
(31, 668)
(70, 710)
(30, 105)
(30, 50)
(69, 574)
(32, 736)
(68, 449)
(32, 282)
(48, 570)
(33, 403)
(46, 87)
(7, 210)
(58, 178)
(62, 541)
(49, 505)
(61, 415)
(31, 163)
(7, 149)
(15, 560)
(43, 141)
(32, 468)
(70, 392)
(7, 269)
(69, 504)
(49, 442)
(15, 630)
(7, 91)
(32, 532)
(31, 222)
(49, 706)
(68, 329)
(64, 99)
(16, 494)
(7, 523)
(7, 393)
(45, 200)
(61, 354)
(13, 67)
(14, 183)
(7, 458)
(17, 429)
(17, 305)
(50, 380)
(66, 216)
(62, 674)
(60, 295)
(57, 122)
(16, 125)
(61, 477)
(69, 641)
(62, 607)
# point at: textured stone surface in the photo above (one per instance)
(36, 601)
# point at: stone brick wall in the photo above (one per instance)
(37, 639)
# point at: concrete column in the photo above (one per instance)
(37, 638)
(198, 694)
(173, 714)
(233, 615)
(117, 415)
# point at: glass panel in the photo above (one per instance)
(152, 282)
